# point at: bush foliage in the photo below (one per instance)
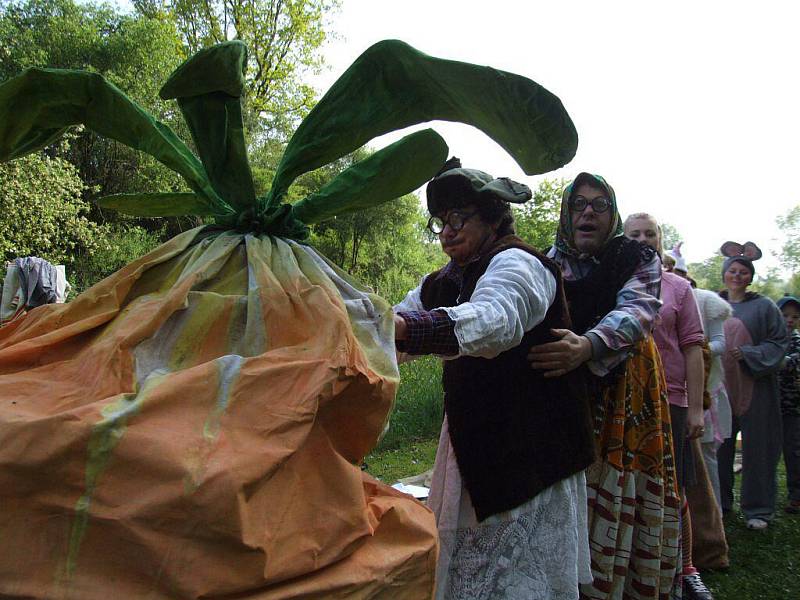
(42, 211)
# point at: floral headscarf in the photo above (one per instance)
(564, 237)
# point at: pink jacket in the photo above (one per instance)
(679, 326)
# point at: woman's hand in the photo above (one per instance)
(399, 328)
(695, 425)
(695, 383)
(563, 356)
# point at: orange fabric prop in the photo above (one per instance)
(192, 427)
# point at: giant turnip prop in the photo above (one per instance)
(191, 426)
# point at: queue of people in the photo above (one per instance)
(589, 395)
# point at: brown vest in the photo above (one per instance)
(514, 432)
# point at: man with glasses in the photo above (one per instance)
(508, 489)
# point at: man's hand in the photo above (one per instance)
(737, 353)
(399, 328)
(558, 358)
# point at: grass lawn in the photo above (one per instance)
(418, 410)
(394, 464)
(409, 446)
(765, 565)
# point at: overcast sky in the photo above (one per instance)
(689, 109)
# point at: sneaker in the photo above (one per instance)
(793, 507)
(695, 589)
(757, 524)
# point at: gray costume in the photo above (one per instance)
(761, 423)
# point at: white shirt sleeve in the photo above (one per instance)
(716, 336)
(412, 301)
(510, 298)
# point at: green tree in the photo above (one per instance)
(42, 212)
(121, 245)
(708, 273)
(793, 285)
(789, 224)
(771, 284)
(537, 219)
(134, 52)
(669, 236)
(284, 38)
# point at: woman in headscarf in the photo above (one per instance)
(508, 488)
(761, 358)
(612, 287)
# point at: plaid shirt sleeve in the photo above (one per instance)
(428, 332)
(632, 319)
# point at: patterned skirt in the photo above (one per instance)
(634, 507)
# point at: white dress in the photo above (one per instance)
(540, 549)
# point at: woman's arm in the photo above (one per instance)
(716, 336)
(766, 357)
(412, 302)
(631, 320)
(695, 378)
(689, 331)
(715, 311)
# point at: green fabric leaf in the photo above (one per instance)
(392, 86)
(220, 68)
(277, 220)
(37, 106)
(389, 87)
(157, 205)
(208, 87)
(388, 174)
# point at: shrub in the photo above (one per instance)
(42, 212)
(120, 246)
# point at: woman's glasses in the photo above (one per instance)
(455, 219)
(579, 204)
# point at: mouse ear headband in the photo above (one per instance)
(733, 250)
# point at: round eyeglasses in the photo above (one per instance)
(455, 219)
(599, 204)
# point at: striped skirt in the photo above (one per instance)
(634, 507)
